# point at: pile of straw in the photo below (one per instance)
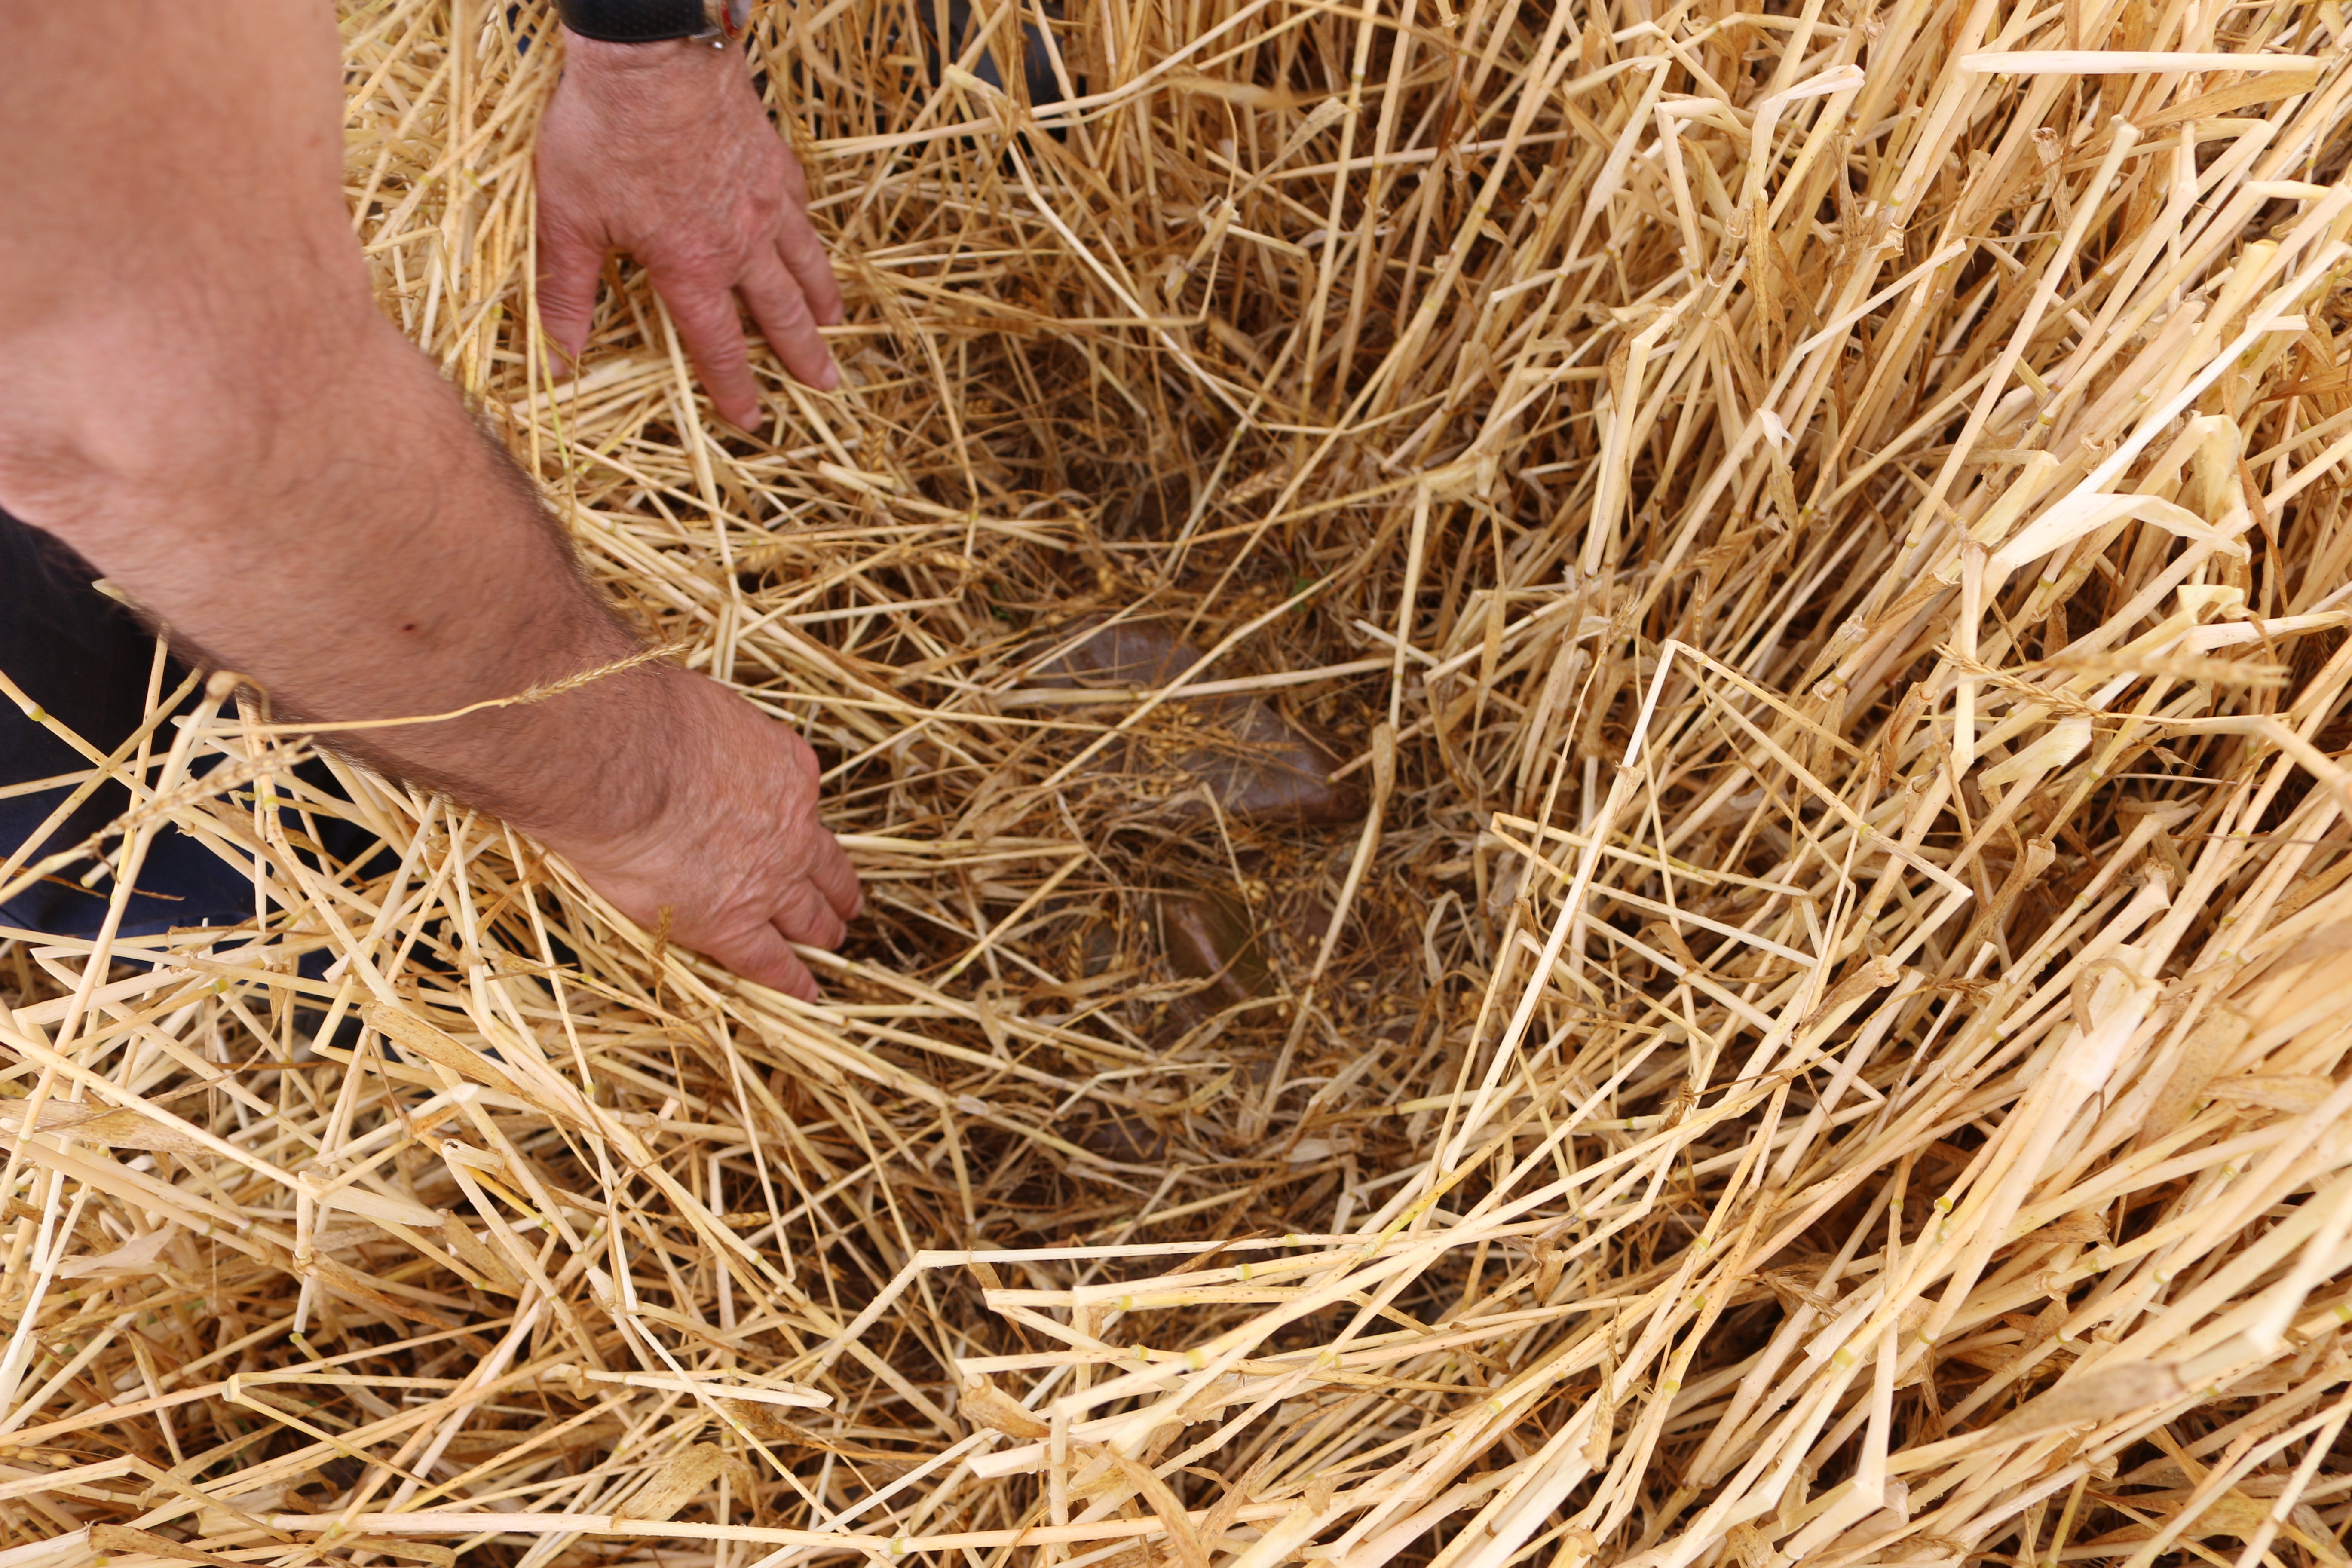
(1820, 532)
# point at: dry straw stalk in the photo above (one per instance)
(1822, 529)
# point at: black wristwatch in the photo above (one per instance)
(652, 21)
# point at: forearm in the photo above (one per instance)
(201, 398)
(196, 392)
(354, 546)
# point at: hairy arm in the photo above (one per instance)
(198, 394)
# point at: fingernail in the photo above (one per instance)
(829, 377)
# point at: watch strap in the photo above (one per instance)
(648, 21)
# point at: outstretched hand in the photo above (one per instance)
(664, 151)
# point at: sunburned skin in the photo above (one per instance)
(201, 398)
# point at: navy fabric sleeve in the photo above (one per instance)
(84, 659)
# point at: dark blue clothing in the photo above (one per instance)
(85, 660)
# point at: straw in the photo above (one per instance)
(1821, 531)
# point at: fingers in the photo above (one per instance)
(762, 956)
(828, 868)
(830, 872)
(781, 307)
(713, 335)
(763, 953)
(569, 268)
(805, 915)
(803, 256)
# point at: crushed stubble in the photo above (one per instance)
(1819, 537)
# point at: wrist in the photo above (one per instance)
(672, 85)
(604, 57)
(599, 62)
(661, 735)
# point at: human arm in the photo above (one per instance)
(664, 151)
(200, 397)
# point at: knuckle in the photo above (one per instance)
(715, 342)
(698, 295)
(799, 908)
(800, 246)
(789, 310)
(703, 270)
